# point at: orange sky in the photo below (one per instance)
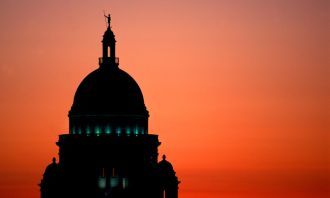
(238, 91)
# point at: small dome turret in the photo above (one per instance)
(166, 168)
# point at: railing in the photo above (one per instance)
(108, 60)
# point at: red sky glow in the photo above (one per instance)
(237, 90)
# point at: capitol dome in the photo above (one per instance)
(108, 101)
(108, 92)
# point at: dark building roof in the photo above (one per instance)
(108, 91)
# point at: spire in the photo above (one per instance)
(108, 58)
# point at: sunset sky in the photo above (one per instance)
(238, 90)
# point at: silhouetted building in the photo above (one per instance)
(108, 151)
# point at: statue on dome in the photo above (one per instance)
(108, 18)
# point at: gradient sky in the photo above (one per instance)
(237, 90)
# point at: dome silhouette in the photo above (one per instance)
(108, 101)
(108, 91)
(166, 168)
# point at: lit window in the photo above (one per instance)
(128, 131)
(114, 181)
(125, 183)
(107, 129)
(118, 131)
(136, 130)
(102, 182)
(97, 130)
(88, 130)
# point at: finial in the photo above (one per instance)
(164, 157)
(108, 18)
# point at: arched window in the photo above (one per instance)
(164, 193)
(109, 51)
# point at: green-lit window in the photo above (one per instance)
(118, 131)
(88, 130)
(114, 182)
(97, 130)
(128, 131)
(108, 130)
(102, 182)
(136, 130)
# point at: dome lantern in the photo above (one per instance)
(108, 58)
